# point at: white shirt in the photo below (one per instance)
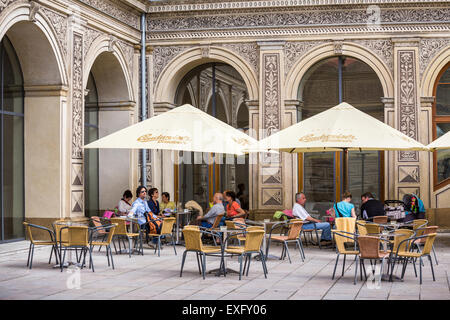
(300, 212)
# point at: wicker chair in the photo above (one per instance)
(421, 241)
(253, 241)
(407, 255)
(193, 242)
(342, 237)
(369, 248)
(121, 233)
(295, 229)
(380, 219)
(77, 238)
(98, 231)
(347, 225)
(166, 230)
(104, 242)
(33, 243)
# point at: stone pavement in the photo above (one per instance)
(144, 277)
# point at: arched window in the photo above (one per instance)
(326, 84)
(441, 125)
(12, 212)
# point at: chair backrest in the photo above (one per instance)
(253, 240)
(29, 233)
(78, 236)
(249, 228)
(112, 229)
(295, 228)
(57, 226)
(424, 231)
(341, 239)
(372, 228)
(121, 225)
(217, 220)
(230, 224)
(361, 225)
(369, 247)
(345, 224)
(400, 235)
(429, 243)
(380, 219)
(192, 239)
(419, 223)
(191, 226)
(98, 223)
(167, 225)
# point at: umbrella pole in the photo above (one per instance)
(345, 170)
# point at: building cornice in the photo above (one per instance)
(176, 6)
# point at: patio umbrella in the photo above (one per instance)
(443, 142)
(184, 128)
(341, 128)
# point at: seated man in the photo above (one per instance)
(299, 211)
(208, 219)
(371, 207)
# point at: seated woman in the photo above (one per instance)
(345, 209)
(234, 210)
(124, 205)
(166, 203)
(153, 202)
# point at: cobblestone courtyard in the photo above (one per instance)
(144, 277)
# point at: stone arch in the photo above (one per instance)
(432, 71)
(173, 73)
(101, 47)
(299, 69)
(16, 19)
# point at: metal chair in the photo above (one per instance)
(369, 248)
(121, 232)
(253, 241)
(166, 230)
(294, 233)
(104, 243)
(33, 243)
(342, 237)
(77, 238)
(193, 243)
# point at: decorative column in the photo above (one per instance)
(389, 160)
(77, 123)
(406, 74)
(426, 161)
(272, 193)
(253, 166)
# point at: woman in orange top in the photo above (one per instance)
(234, 210)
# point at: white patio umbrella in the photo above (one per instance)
(340, 128)
(443, 142)
(184, 128)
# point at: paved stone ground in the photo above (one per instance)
(144, 277)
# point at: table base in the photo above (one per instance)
(385, 277)
(268, 257)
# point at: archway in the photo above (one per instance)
(348, 79)
(108, 108)
(198, 178)
(33, 106)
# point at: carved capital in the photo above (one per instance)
(111, 43)
(206, 51)
(337, 47)
(34, 8)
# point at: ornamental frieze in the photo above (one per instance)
(271, 93)
(162, 56)
(248, 51)
(296, 18)
(407, 100)
(293, 51)
(128, 53)
(428, 49)
(59, 23)
(5, 3)
(89, 36)
(115, 10)
(77, 97)
(382, 48)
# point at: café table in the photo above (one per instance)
(186, 215)
(130, 224)
(225, 234)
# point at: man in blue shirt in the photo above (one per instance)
(140, 208)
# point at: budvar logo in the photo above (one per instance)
(74, 280)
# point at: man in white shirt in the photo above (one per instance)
(299, 211)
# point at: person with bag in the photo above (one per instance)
(345, 209)
(414, 208)
(140, 210)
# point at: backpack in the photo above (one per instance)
(411, 203)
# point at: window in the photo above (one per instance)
(441, 125)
